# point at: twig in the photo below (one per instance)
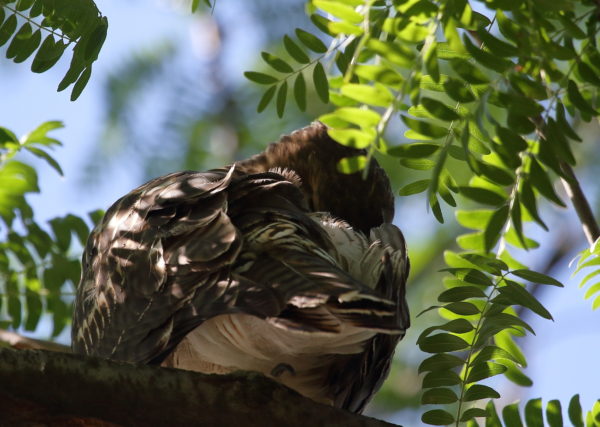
(581, 204)
(20, 342)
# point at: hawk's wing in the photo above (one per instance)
(188, 246)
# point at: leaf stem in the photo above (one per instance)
(472, 350)
(35, 24)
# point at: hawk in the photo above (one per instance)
(277, 264)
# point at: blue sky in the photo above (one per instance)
(563, 355)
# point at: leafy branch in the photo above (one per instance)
(490, 106)
(79, 23)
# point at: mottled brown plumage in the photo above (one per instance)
(277, 264)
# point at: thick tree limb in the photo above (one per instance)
(100, 392)
(582, 206)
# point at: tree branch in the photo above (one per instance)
(20, 342)
(581, 204)
(102, 392)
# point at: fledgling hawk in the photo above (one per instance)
(277, 264)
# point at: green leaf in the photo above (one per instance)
(439, 110)
(321, 83)
(478, 391)
(533, 413)
(507, 319)
(535, 277)
(475, 219)
(377, 95)
(520, 296)
(431, 62)
(592, 290)
(492, 420)
(355, 138)
(95, 40)
(482, 195)
(506, 342)
(343, 27)
(462, 308)
(72, 74)
(42, 154)
(417, 164)
(484, 370)
(195, 4)
(458, 326)
(472, 413)
(39, 134)
(588, 277)
(442, 343)
(295, 51)
(497, 47)
(34, 308)
(494, 227)
(558, 142)
(6, 135)
(440, 362)
(461, 293)
(564, 124)
(588, 74)
(266, 98)
(435, 207)
(424, 128)
(281, 98)
(572, 29)
(574, 96)
(437, 417)
(415, 150)
(47, 55)
(96, 216)
(352, 164)
(529, 202)
(488, 60)
(27, 47)
(458, 90)
(438, 396)
(495, 174)
(322, 23)
(575, 414)
(470, 275)
(311, 41)
(339, 10)
(468, 72)
(511, 140)
(260, 78)
(440, 379)
(276, 63)
(414, 187)
(300, 92)
(7, 29)
(510, 415)
(528, 87)
(554, 413)
(488, 263)
(541, 182)
(81, 83)
(362, 117)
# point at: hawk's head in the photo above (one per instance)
(364, 203)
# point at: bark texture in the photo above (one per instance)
(45, 388)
